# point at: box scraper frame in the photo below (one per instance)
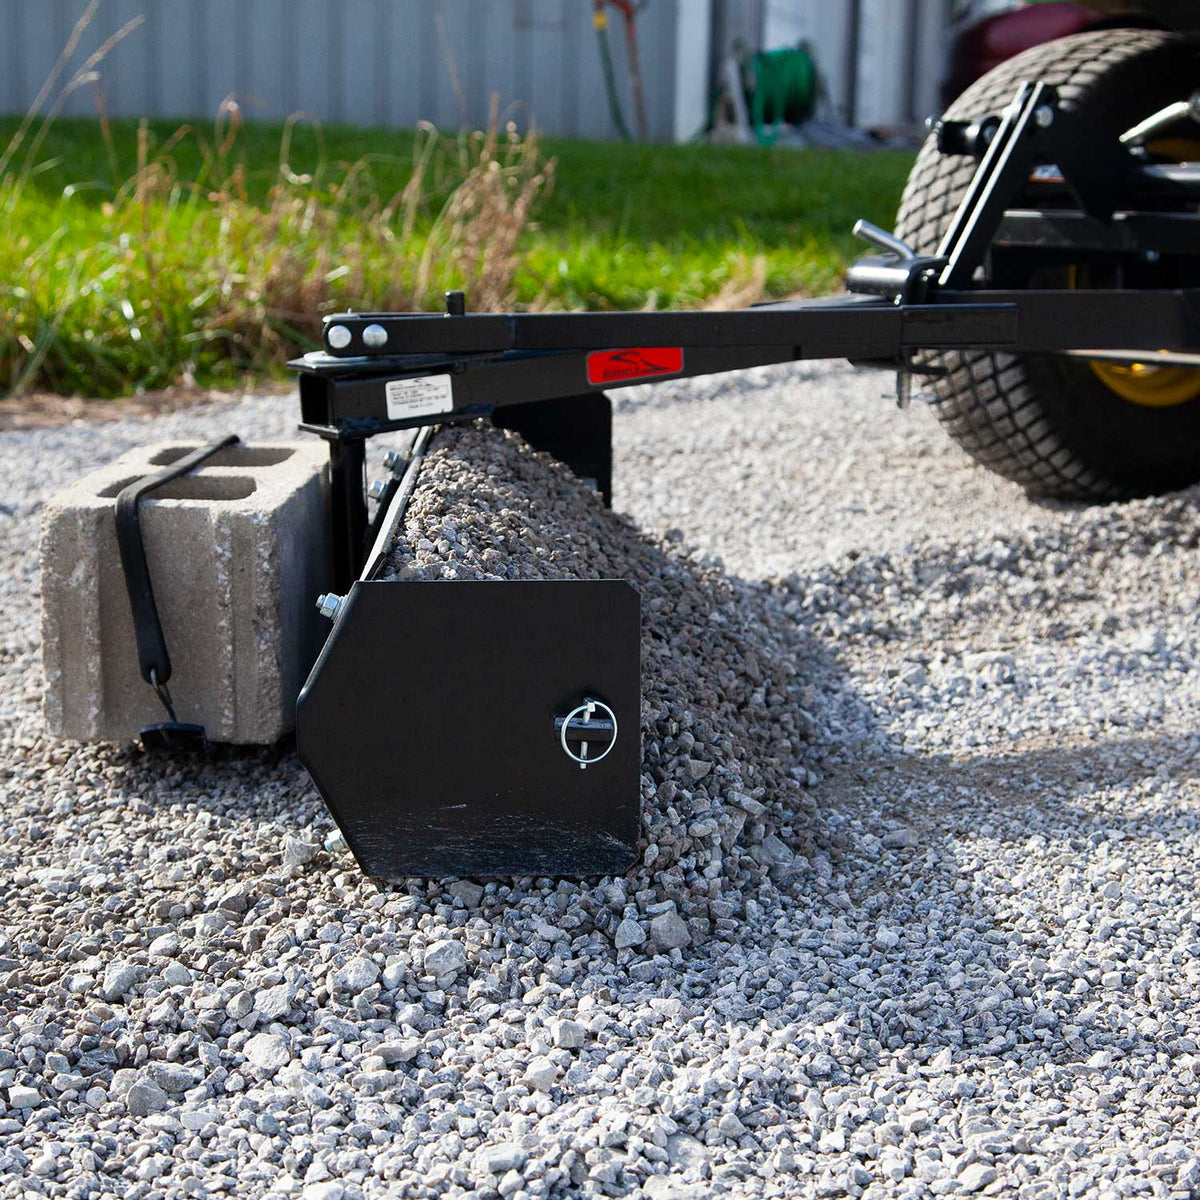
(460, 728)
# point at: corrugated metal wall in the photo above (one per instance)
(397, 62)
(369, 62)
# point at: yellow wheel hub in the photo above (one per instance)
(1148, 385)
(1144, 383)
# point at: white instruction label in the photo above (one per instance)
(418, 397)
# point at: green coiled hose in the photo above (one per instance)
(785, 91)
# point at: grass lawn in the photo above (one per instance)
(142, 258)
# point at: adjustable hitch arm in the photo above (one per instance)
(379, 372)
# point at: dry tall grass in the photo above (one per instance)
(186, 276)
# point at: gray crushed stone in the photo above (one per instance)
(724, 701)
(953, 948)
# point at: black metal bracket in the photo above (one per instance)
(1033, 131)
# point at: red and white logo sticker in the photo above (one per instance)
(612, 366)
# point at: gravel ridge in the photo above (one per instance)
(952, 946)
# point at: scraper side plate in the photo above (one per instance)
(427, 724)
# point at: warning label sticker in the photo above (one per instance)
(422, 397)
(611, 366)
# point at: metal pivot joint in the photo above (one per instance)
(899, 273)
(970, 138)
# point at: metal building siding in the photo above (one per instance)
(369, 62)
(901, 60)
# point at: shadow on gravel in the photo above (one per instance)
(1043, 789)
(925, 940)
(237, 782)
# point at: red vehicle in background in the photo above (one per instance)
(993, 31)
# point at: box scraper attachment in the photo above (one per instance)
(479, 728)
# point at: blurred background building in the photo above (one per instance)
(658, 69)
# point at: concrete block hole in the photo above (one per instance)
(231, 456)
(192, 487)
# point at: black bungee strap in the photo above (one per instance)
(153, 660)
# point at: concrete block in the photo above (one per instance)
(238, 552)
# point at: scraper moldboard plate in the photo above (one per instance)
(427, 724)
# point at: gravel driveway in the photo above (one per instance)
(944, 942)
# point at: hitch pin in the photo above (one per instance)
(587, 716)
(585, 712)
(884, 240)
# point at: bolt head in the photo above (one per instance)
(1044, 115)
(374, 337)
(338, 336)
(393, 460)
(329, 604)
(377, 489)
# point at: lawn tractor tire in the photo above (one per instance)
(1049, 423)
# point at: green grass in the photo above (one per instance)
(672, 226)
(201, 262)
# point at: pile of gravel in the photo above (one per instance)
(976, 975)
(724, 689)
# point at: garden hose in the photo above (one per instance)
(600, 23)
(785, 91)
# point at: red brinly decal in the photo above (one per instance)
(612, 366)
